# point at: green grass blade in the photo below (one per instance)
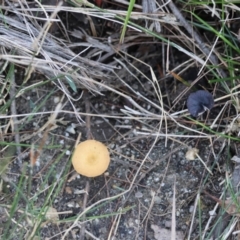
(130, 8)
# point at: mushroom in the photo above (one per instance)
(198, 102)
(91, 158)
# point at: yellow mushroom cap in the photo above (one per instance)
(91, 158)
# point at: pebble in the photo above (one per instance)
(191, 208)
(71, 129)
(157, 199)
(138, 195)
(71, 204)
(156, 179)
(68, 152)
(56, 99)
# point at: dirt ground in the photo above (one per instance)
(148, 205)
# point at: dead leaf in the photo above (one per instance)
(232, 206)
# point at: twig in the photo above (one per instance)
(149, 6)
(114, 227)
(193, 215)
(12, 94)
(173, 227)
(153, 194)
(89, 233)
(82, 231)
(88, 117)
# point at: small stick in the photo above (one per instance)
(12, 94)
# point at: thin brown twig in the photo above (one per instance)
(15, 129)
(153, 193)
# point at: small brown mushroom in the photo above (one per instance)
(91, 158)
